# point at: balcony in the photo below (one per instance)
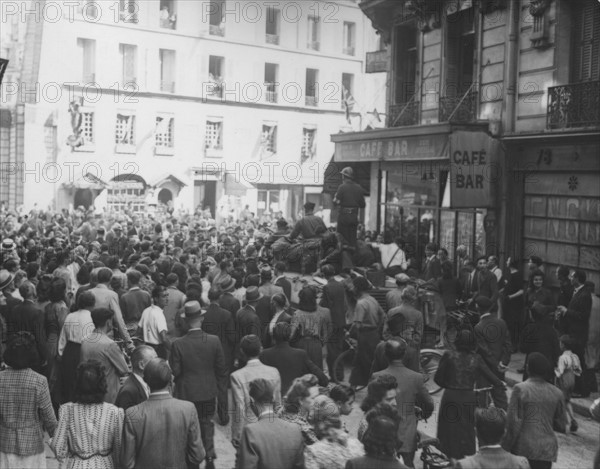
(403, 114)
(460, 109)
(311, 101)
(349, 51)
(216, 30)
(271, 96)
(272, 39)
(167, 86)
(214, 90)
(314, 45)
(576, 105)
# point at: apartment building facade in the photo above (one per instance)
(211, 104)
(493, 126)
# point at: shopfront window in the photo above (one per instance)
(412, 210)
(268, 202)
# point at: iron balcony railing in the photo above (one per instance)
(271, 96)
(575, 105)
(311, 100)
(404, 114)
(167, 86)
(460, 109)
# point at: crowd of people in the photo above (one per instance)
(125, 338)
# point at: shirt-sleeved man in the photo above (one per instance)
(200, 372)
(308, 226)
(162, 431)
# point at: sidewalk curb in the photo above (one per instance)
(580, 406)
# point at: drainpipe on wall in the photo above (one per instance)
(508, 125)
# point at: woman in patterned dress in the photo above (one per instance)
(334, 447)
(89, 430)
(311, 326)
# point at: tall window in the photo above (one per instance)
(311, 91)
(269, 139)
(167, 16)
(405, 64)
(128, 63)
(164, 133)
(125, 129)
(167, 70)
(87, 127)
(309, 144)
(89, 8)
(271, 73)
(214, 134)
(87, 52)
(347, 85)
(217, 10)
(460, 52)
(585, 54)
(272, 25)
(349, 37)
(128, 11)
(314, 33)
(215, 75)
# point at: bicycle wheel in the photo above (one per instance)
(430, 360)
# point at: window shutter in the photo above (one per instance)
(586, 42)
(452, 59)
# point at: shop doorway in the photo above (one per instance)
(83, 197)
(165, 196)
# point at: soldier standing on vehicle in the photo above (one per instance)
(350, 197)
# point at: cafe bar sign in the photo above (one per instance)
(474, 170)
(390, 149)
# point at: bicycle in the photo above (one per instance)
(431, 458)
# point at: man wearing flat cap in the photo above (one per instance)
(200, 372)
(350, 197)
(494, 346)
(308, 226)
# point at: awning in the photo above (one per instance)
(332, 177)
(87, 181)
(161, 180)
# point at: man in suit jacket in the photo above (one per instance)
(270, 443)
(282, 281)
(218, 321)
(413, 318)
(536, 410)
(174, 303)
(146, 444)
(411, 392)
(263, 305)
(135, 301)
(334, 298)
(575, 320)
(490, 425)
(247, 321)
(227, 300)
(26, 316)
(289, 361)
(494, 346)
(433, 267)
(250, 347)
(481, 282)
(200, 372)
(135, 390)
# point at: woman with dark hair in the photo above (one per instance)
(77, 325)
(511, 286)
(98, 346)
(42, 290)
(380, 442)
(181, 272)
(382, 390)
(297, 404)
(25, 406)
(55, 315)
(538, 293)
(311, 326)
(89, 429)
(457, 373)
(343, 396)
(366, 319)
(334, 447)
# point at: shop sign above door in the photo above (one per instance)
(392, 149)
